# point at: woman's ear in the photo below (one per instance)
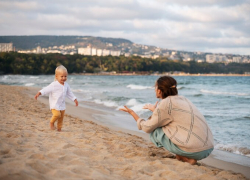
(159, 92)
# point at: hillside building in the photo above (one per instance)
(115, 53)
(93, 51)
(237, 59)
(213, 58)
(126, 54)
(6, 47)
(99, 52)
(85, 51)
(105, 52)
(54, 51)
(246, 60)
(38, 50)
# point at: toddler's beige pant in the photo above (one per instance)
(57, 115)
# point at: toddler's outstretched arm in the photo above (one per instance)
(37, 95)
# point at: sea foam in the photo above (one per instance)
(133, 86)
(136, 106)
(224, 93)
(233, 149)
(29, 84)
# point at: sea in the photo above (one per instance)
(223, 100)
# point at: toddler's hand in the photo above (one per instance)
(37, 95)
(76, 102)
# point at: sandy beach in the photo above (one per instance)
(85, 149)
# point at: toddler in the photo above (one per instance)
(57, 91)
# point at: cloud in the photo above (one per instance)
(175, 24)
(204, 3)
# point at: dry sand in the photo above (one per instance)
(83, 150)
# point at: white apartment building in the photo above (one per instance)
(99, 52)
(6, 47)
(155, 56)
(200, 60)
(221, 58)
(212, 58)
(27, 51)
(166, 54)
(38, 50)
(158, 49)
(93, 51)
(105, 52)
(54, 51)
(174, 57)
(246, 60)
(115, 53)
(237, 59)
(109, 44)
(85, 51)
(146, 56)
(186, 57)
(173, 53)
(127, 54)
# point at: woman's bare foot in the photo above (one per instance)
(52, 127)
(178, 157)
(190, 161)
(185, 159)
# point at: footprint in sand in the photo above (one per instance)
(4, 148)
(39, 167)
(68, 146)
(37, 156)
(67, 158)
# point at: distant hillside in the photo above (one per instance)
(30, 42)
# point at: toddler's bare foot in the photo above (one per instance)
(52, 127)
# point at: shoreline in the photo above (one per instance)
(86, 148)
(162, 74)
(141, 74)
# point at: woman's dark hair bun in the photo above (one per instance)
(167, 85)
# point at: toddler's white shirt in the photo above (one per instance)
(57, 93)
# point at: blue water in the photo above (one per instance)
(223, 100)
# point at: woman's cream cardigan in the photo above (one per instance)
(182, 123)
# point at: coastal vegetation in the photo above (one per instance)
(17, 63)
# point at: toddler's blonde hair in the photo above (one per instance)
(60, 68)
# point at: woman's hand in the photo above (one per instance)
(126, 109)
(130, 111)
(150, 107)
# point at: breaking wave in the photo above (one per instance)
(234, 149)
(106, 103)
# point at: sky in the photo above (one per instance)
(217, 26)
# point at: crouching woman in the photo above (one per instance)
(176, 124)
